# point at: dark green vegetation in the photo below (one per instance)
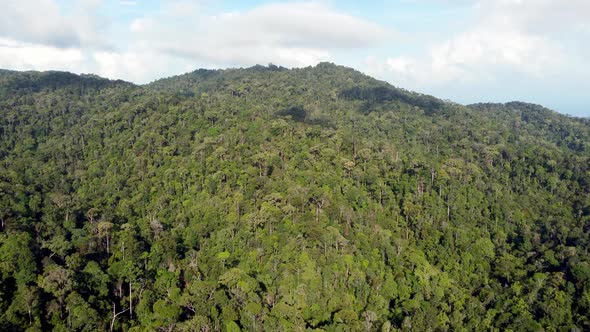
(273, 199)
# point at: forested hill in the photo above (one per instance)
(281, 199)
(14, 82)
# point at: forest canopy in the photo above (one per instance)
(281, 199)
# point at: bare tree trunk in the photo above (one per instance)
(130, 302)
(115, 315)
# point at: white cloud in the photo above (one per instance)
(479, 53)
(25, 56)
(539, 16)
(38, 21)
(404, 65)
(517, 36)
(181, 35)
(140, 24)
(291, 34)
(136, 66)
(43, 22)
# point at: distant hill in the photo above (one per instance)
(277, 199)
(34, 81)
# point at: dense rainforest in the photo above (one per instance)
(273, 199)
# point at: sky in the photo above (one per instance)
(466, 51)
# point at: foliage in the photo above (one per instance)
(274, 199)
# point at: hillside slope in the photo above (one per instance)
(274, 199)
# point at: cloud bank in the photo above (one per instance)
(179, 36)
(523, 37)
